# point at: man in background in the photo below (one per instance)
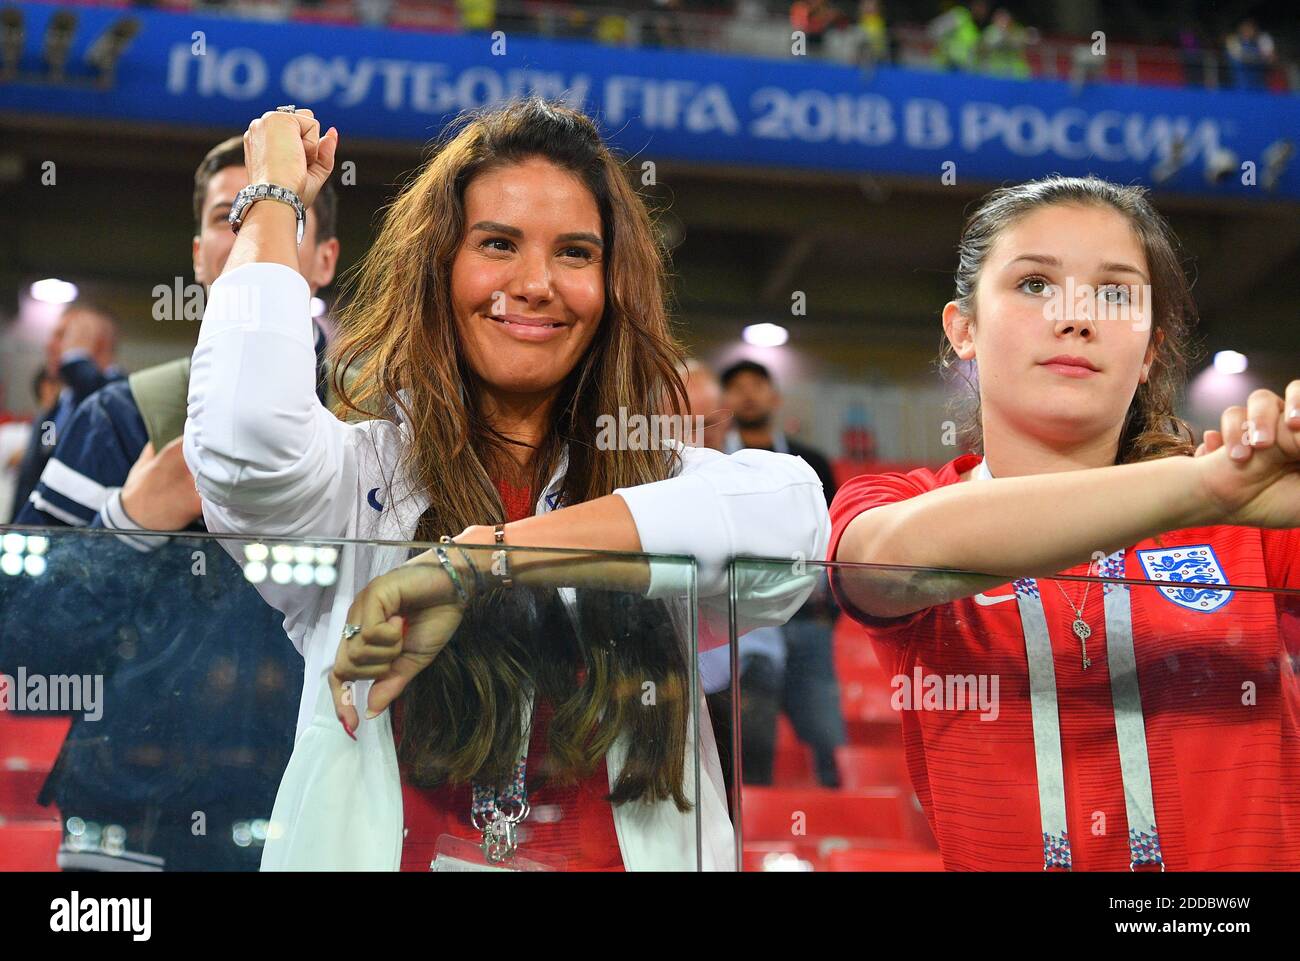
(16, 433)
(788, 668)
(81, 354)
(755, 402)
(201, 684)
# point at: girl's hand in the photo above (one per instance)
(407, 616)
(1250, 467)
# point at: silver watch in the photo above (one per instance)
(255, 192)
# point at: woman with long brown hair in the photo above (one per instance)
(1136, 726)
(513, 302)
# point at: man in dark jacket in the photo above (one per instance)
(201, 684)
(791, 667)
(80, 353)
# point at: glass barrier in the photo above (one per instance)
(922, 720)
(166, 703)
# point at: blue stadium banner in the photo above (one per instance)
(669, 105)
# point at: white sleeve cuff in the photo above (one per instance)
(115, 518)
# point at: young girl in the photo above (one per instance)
(1137, 726)
(513, 297)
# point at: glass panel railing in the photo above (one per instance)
(166, 703)
(926, 720)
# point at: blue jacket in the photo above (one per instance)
(81, 379)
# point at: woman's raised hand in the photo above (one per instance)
(287, 149)
(407, 616)
(1250, 467)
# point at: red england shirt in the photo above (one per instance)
(574, 822)
(1219, 691)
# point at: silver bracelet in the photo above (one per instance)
(450, 568)
(469, 562)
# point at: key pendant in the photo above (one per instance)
(498, 840)
(1083, 631)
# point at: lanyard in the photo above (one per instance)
(1130, 728)
(497, 813)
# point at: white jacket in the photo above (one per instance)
(270, 462)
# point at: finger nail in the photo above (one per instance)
(348, 729)
(371, 715)
(1256, 436)
(1239, 452)
(1293, 413)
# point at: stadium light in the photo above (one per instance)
(1230, 362)
(54, 291)
(1171, 164)
(11, 42)
(1277, 157)
(1220, 164)
(58, 40)
(1085, 67)
(109, 47)
(765, 335)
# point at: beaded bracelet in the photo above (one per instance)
(469, 562)
(479, 586)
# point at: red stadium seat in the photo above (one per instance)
(883, 859)
(19, 788)
(792, 764)
(865, 690)
(29, 845)
(27, 741)
(863, 767)
(771, 814)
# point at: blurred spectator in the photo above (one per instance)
(665, 25)
(81, 354)
(15, 433)
(1002, 47)
(787, 668)
(1251, 53)
(814, 18)
(873, 34)
(704, 399)
(612, 29)
(374, 13)
(477, 14)
(1192, 55)
(956, 36)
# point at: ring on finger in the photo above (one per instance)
(287, 108)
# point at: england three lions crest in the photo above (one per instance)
(1192, 569)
